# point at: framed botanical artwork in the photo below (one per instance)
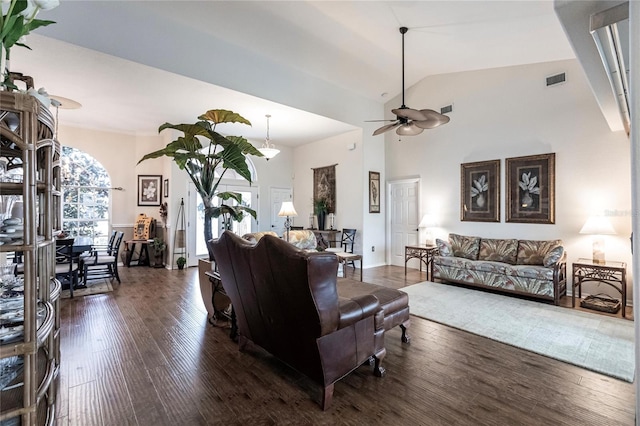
(531, 189)
(480, 191)
(149, 190)
(374, 192)
(165, 190)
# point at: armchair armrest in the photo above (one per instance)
(359, 307)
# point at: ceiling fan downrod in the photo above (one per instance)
(403, 31)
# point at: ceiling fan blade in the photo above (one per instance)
(411, 114)
(409, 129)
(434, 119)
(386, 128)
(378, 121)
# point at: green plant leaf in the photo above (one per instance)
(223, 116)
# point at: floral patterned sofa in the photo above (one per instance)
(302, 239)
(527, 267)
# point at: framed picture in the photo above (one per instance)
(165, 190)
(149, 190)
(531, 189)
(480, 191)
(374, 192)
(324, 186)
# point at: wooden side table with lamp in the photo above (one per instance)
(599, 270)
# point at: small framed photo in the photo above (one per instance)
(165, 190)
(149, 190)
(531, 189)
(480, 191)
(374, 192)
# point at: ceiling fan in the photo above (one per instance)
(410, 122)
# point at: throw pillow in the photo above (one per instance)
(532, 252)
(444, 248)
(499, 250)
(467, 247)
(553, 256)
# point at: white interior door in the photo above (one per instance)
(403, 199)
(276, 197)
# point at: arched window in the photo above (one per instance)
(85, 186)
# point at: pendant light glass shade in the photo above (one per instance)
(268, 149)
(409, 129)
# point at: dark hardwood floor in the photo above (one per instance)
(144, 354)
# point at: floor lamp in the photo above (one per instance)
(287, 210)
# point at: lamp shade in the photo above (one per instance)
(268, 152)
(287, 209)
(428, 221)
(598, 225)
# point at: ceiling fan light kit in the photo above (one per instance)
(409, 121)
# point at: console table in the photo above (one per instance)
(327, 237)
(611, 273)
(130, 248)
(423, 253)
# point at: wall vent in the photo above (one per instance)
(556, 79)
(446, 109)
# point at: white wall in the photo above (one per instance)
(508, 112)
(349, 182)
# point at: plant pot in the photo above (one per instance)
(180, 267)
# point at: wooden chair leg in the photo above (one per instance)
(405, 336)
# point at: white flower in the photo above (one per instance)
(5, 6)
(30, 11)
(47, 4)
(150, 191)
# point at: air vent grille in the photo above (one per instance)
(556, 79)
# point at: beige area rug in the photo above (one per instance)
(95, 287)
(595, 342)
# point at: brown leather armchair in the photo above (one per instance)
(286, 302)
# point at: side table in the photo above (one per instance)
(218, 289)
(611, 273)
(423, 253)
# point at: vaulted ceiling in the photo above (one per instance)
(94, 55)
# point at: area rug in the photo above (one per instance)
(97, 287)
(592, 341)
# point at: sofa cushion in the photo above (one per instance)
(444, 248)
(532, 252)
(463, 246)
(502, 250)
(553, 256)
(303, 239)
(254, 237)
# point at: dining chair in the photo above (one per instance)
(66, 266)
(347, 241)
(103, 265)
(97, 250)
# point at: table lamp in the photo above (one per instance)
(428, 222)
(287, 210)
(598, 226)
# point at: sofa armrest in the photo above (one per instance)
(359, 307)
(560, 269)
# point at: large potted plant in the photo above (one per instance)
(200, 161)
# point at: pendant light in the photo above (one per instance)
(268, 149)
